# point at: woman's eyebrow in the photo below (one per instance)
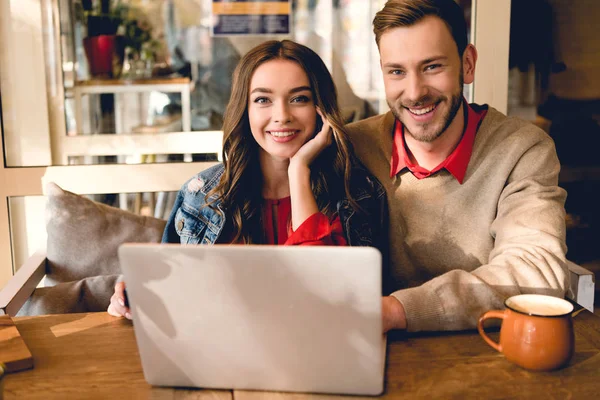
(301, 89)
(294, 90)
(261, 90)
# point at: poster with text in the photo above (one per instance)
(251, 17)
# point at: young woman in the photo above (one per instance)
(289, 175)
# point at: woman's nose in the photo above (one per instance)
(281, 112)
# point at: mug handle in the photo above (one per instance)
(490, 314)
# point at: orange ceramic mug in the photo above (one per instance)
(536, 333)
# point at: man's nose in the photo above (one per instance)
(281, 112)
(416, 88)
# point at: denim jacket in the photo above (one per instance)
(190, 223)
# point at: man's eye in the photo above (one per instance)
(261, 100)
(396, 72)
(300, 99)
(432, 67)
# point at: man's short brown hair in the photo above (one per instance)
(402, 13)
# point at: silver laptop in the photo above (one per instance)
(300, 319)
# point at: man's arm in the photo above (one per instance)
(528, 254)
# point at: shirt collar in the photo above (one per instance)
(456, 163)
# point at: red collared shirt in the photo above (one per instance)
(456, 163)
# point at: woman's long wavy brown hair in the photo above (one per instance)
(240, 187)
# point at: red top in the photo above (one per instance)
(316, 230)
(456, 163)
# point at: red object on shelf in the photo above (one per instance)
(105, 55)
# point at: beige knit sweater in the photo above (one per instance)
(459, 250)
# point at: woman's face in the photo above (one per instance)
(281, 108)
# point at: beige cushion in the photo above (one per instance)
(83, 238)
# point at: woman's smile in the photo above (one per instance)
(283, 135)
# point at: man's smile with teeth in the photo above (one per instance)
(421, 111)
(285, 133)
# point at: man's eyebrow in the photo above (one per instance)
(423, 62)
(392, 65)
(433, 59)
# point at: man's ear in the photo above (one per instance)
(469, 59)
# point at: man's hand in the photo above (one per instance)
(392, 313)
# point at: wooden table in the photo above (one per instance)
(95, 356)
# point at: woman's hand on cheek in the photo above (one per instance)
(311, 149)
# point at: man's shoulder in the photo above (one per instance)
(499, 127)
(512, 145)
(369, 125)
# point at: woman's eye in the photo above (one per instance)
(300, 99)
(261, 100)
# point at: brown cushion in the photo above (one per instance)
(83, 235)
(86, 295)
(83, 238)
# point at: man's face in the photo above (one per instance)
(423, 76)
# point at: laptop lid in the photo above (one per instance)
(282, 318)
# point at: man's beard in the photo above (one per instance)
(425, 136)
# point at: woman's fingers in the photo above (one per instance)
(120, 293)
(117, 306)
(325, 130)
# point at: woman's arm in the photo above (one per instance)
(317, 230)
(303, 199)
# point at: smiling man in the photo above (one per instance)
(476, 215)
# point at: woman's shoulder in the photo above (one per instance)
(196, 188)
(211, 176)
(205, 180)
